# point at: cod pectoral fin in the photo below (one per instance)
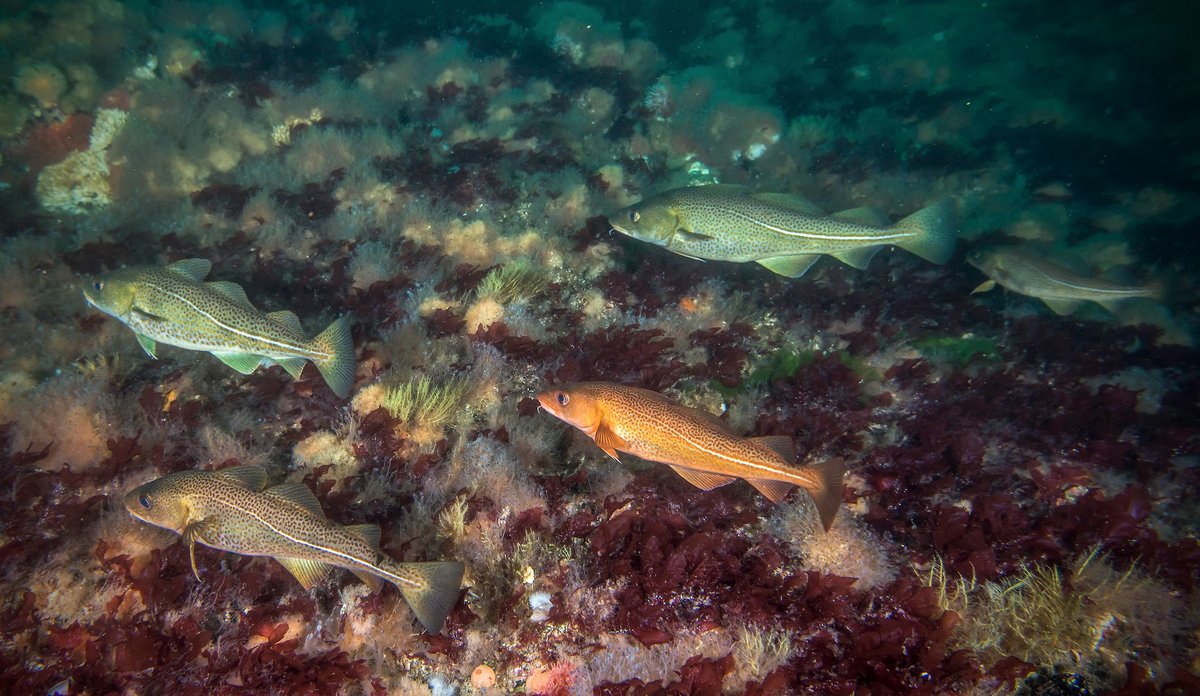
(244, 363)
(148, 344)
(985, 286)
(191, 534)
(609, 441)
(790, 266)
(704, 480)
(693, 235)
(308, 572)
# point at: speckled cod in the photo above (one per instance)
(1063, 290)
(229, 510)
(695, 443)
(783, 232)
(174, 305)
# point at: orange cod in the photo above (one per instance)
(695, 443)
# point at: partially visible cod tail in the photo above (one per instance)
(828, 497)
(337, 370)
(936, 230)
(435, 598)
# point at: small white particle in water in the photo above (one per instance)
(438, 686)
(540, 603)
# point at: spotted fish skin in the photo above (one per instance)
(1063, 290)
(696, 444)
(228, 510)
(174, 305)
(782, 232)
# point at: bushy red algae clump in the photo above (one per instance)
(628, 354)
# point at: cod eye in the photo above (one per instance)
(562, 398)
(144, 501)
(98, 285)
(634, 216)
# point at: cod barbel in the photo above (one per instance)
(1063, 290)
(695, 443)
(780, 231)
(174, 305)
(229, 510)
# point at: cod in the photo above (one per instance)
(699, 446)
(1062, 289)
(230, 510)
(174, 305)
(783, 232)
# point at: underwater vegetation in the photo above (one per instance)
(1018, 512)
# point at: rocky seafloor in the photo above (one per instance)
(1020, 514)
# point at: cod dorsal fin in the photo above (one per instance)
(859, 258)
(297, 494)
(866, 215)
(653, 395)
(779, 444)
(231, 291)
(192, 269)
(609, 441)
(704, 480)
(308, 572)
(790, 266)
(244, 363)
(775, 491)
(287, 319)
(251, 476)
(370, 532)
(710, 419)
(791, 201)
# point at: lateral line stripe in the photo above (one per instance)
(880, 238)
(304, 351)
(1087, 288)
(760, 467)
(350, 560)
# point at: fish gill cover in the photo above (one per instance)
(1019, 513)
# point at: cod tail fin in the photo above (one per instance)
(436, 592)
(828, 497)
(337, 369)
(936, 229)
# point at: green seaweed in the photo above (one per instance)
(512, 281)
(859, 367)
(422, 401)
(958, 351)
(782, 364)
